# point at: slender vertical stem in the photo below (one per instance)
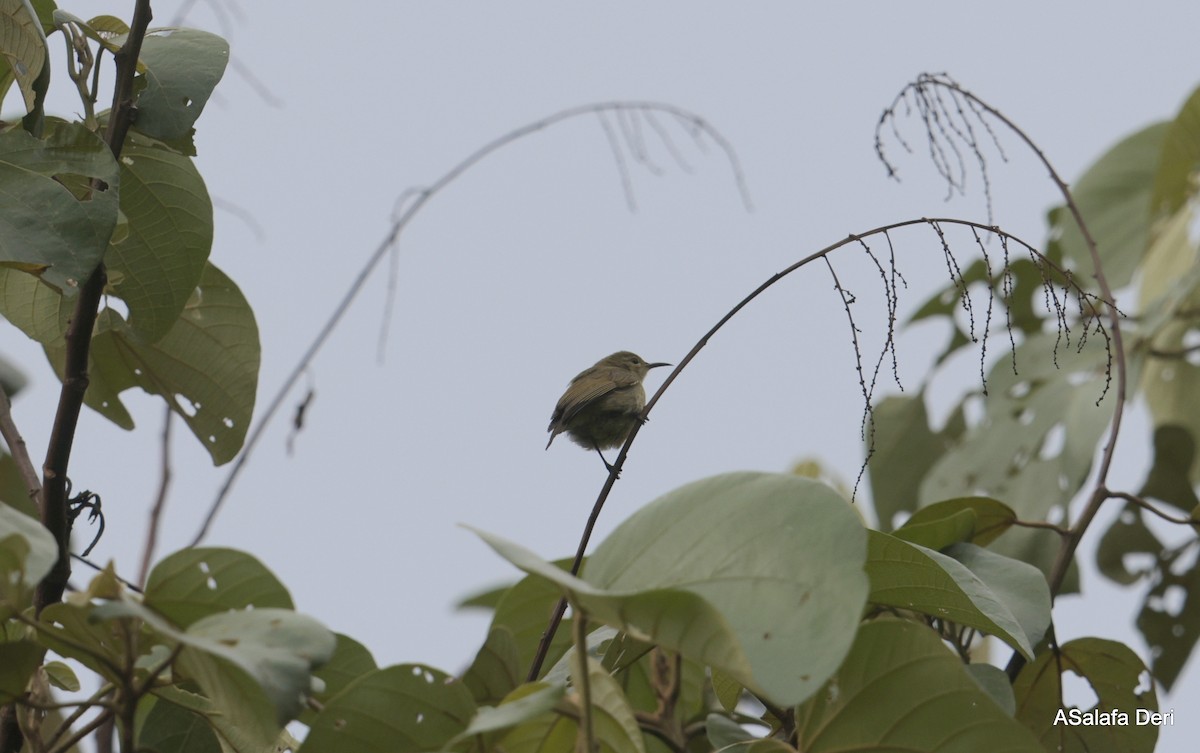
(587, 730)
(160, 501)
(53, 502)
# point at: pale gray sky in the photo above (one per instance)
(531, 267)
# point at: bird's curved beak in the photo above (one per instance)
(656, 365)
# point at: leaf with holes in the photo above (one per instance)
(350, 661)
(408, 708)
(205, 367)
(1035, 443)
(198, 582)
(1169, 477)
(1170, 616)
(1017, 286)
(1115, 675)
(52, 222)
(1128, 535)
(183, 66)
(22, 48)
(905, 448)
(276, 648)
(157, 263)
(1114, 198)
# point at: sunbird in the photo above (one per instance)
(603, 403)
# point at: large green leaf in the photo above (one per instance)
(33, 307)
(901, 689)
(45, 228)
(276, 648)
(18, 661)
(1035, 444)
(22, 46)
(350, 661)
(183, 67)
(1113, 671)
(195, 583)
(1169, 478)
(1010, 455)
(758, 575)
(675, 618)
(525, 610)
(27, 552)
(1128, 535)
(525, 703)
(969, 586)
(234, 705)
(1114, 198)
(990, 519)
(157, 264)
(1179, 160)
(1170, 289)
(941, 532)
(13, 491)
(539, 733)
(905, 448)
(68, 629)
(408, 708)
(496, 670)
(614, 725)
(1016, 284)
(1170, 616)
(168, 727)
(205, 367)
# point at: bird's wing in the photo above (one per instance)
(583, 392)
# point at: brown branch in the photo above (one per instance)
(696, 126)
(1173, 354)
(618, 464)
(160, 501)
(75, 372)
(16, 446)
(1066, 552)
(1148, 507)
(1043, 525)
(79, 337)
(1070, 542)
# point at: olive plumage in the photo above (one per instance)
(602, 403)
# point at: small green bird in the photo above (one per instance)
(602, 404)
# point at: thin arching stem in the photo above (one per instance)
(618, 464)
(697, 128)
(979, 108)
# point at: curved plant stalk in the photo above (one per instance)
(696, 126)
(935, 223)
(925, 89)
